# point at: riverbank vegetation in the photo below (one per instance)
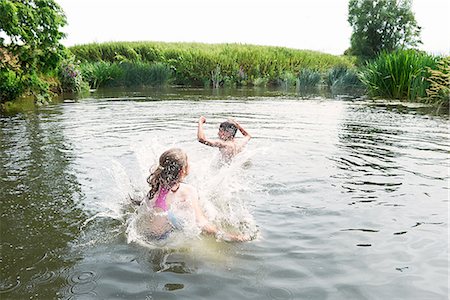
(398, 75)
(195, 64)
(33, 62)
(30, 51)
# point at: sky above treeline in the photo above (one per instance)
(319, 25)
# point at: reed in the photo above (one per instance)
(260, 82)
(104, 73)
(398, 75)
(196, 64)
(143, 73)
(100, 73)
(308, 78)
(341, 79)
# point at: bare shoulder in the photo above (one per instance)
(242, 142)
(188, 192)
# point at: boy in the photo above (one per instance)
(227, 144)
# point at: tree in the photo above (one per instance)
(29, 36)
(381, 25)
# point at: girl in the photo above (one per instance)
(172, 202)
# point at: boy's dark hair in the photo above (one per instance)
(228, 127)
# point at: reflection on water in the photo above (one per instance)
(39, 196)
(350, 198)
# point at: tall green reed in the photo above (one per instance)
(100, 73)
(143, 73)
(125, 73)
(343, 79)
(308, 79)
(194, 63)
(398, 75)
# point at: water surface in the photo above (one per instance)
(350, 198)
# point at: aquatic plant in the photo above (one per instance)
(342, 79)
(100, 73)
(159, 74)
(216, 77)
(335, 74)
(308, 78)
(287, 79)
(143, 73)
(398, 75)
(260, 81)
(126, 73)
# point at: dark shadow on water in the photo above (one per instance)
(162, 260)
(39, 195)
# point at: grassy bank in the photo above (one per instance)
(401, 75)
(198, 64)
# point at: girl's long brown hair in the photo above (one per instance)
(168, 173)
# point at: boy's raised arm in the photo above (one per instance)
(241, 129)
(244, 132)
(200, 132)
(201, 135)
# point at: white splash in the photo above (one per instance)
(219, 187)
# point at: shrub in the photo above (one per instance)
(11, 87)
(439, 90)
(70, 76)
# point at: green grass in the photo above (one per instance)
(399, 75)
(199, 64)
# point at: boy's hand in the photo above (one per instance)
(235, 123)
(202, 120)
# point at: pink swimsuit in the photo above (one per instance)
(161, 203)
(161, 200)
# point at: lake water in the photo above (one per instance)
(349, 198)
